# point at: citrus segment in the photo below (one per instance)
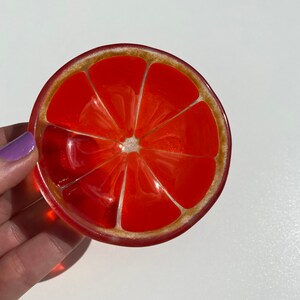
(194, 131)
(95, 197)
(186, 178)
(118, 82)
(73, 155)
(146, 206)
(167, 91)
(76, 106)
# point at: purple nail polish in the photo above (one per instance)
(18, 148)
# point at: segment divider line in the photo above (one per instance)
(140, 97)
(199, 99)
(88, 173)
(181, 208)
(177, 153)
(121, 199)
(47, 123)
(32, 203)
(99, 99)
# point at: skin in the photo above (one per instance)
(31, 242)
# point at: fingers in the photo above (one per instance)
(9, 133)
(18, 198)
(24, 226)
(34, 240)
(26, 265)
(70, 260)
(17, 159)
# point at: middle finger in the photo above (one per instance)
(18, 198)
(25, 225)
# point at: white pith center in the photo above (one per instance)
(131, 145)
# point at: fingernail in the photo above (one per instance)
(18, 148)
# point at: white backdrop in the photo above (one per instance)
(248, 245)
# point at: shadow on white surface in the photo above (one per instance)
(70, 260)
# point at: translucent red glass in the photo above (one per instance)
(95, 197)
(92, 115)
(118, 83)
(167, 91)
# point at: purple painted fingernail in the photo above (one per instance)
(18, 148)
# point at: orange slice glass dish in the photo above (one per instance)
(134, 145)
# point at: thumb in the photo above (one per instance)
(17, 159)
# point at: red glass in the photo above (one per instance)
(67, 156)
(118, 83)
(167, 91)
(75, 106)
(192, 132)
(145, 206)
(130, 146)
(186, 178)
(95, 197)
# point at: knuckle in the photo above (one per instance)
(15, 234)
(20, 271)
(57, 248)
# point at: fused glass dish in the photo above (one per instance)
(134, 144)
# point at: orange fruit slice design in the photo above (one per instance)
(134, 145)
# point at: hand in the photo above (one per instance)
(32, 239)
